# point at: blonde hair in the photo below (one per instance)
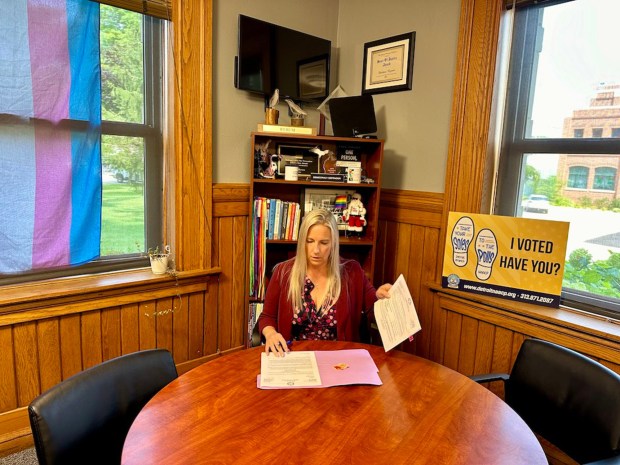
(300, 265)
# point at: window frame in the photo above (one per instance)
(515, 145)
(576, 173)
(151, 131)
(602, 173)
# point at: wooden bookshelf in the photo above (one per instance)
(370, 154)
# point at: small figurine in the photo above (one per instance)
(355, 215)
(272, 169)
(271, 114)
(263, 163)
(275, 98)
(296, 112)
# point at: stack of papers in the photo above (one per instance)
(307, 369)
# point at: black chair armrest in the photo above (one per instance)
(487, 378)
(610, 461)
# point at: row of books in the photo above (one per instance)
(254, 312)
(271, 219)
(282, 219)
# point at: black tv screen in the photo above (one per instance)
(274, 57)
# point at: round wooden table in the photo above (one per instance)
(424, 413)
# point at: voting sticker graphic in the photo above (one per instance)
(519, 259)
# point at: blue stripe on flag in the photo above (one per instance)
(85, 104)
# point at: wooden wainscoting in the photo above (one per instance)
(52, 330)
(409, 226)
(230, 241)
(478, 334)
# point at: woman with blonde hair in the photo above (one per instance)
(317, 294)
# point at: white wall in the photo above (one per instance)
(415, 124)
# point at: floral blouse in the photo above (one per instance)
(308, 324)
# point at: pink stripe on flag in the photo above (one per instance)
(51, 85)
(52, 211)
(49, 59)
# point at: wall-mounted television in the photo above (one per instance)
(274, 57)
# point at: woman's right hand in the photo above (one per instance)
(275, 342)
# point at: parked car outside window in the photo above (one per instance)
(537, 203)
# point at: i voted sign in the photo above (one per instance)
(520, 259)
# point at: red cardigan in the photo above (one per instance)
(357, 297)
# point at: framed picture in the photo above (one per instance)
(388, 64)
(333, 200)
(297, 155)
(312, 77)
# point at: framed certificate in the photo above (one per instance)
(388, 64)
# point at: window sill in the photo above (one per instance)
(564, 317)
(18, 297)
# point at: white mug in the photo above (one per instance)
(354, 175)
(291, 173)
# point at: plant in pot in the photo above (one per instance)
(159, 259)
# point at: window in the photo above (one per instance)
(577, 177)
(131, 59)
(604, 179)
(131, 149)
(558, 50)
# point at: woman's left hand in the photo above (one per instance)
(384, 291)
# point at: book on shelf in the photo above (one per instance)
(290, 222)
(276, 222)
(297, 218)
(282, 129)
(271, 206)
(283, 217)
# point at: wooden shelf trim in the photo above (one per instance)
(117, 288)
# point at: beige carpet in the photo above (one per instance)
(25, 457)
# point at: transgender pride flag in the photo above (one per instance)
(50, 128)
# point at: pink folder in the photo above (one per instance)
(340, 368)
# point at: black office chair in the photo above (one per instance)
(569, 399)
(85, 418)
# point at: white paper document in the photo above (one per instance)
(294, 369)
(396, 317)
